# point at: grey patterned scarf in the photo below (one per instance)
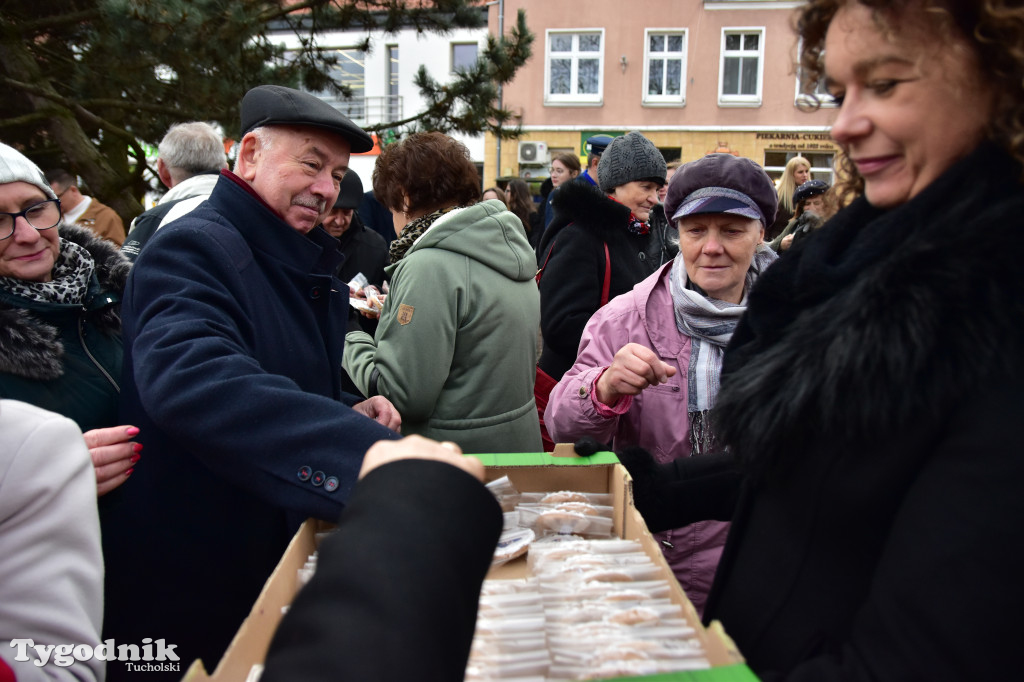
(709, 323)
(71, 275)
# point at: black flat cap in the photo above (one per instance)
(350, 194)
(268, 105)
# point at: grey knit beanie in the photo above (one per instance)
(16, 167)
(628, 158)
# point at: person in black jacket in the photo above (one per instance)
(387, 604)
(376, 217)
(599, 245)
(365, 252)
(233, 331)
(520, 202)
(870, 397)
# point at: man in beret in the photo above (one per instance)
(233, 333)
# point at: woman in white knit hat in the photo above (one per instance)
(60, 324)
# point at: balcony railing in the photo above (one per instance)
(368, 110)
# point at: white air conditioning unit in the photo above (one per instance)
(534, 154)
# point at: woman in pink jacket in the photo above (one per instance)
(646, 373)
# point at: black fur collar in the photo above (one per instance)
(31, 348)
(580, 202)
(881, 320)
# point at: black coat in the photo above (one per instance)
(394, 597)
(572, 256)
(365, 251)
(233, 333)
(872, 396)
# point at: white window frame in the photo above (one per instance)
(754, 100)
(825, 100)
(801, 99)
(349, 107)
(573, 99)
(451, 53)
(664, 100)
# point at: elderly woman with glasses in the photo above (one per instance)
(60, 323)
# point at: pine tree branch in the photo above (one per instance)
(55, 22)
(45, 93)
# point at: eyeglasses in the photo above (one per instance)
(42, 216)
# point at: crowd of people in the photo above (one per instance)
(814, 386)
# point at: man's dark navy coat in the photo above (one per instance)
(233, 335)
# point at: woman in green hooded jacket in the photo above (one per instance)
(456, 347)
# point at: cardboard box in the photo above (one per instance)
(600, 473)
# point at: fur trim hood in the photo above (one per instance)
(30, 347)
(881, 321)
(583, 203)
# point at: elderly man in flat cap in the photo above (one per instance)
(233, 334)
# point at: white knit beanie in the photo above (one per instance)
(16, 167)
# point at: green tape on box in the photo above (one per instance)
(544, 459)
(728, 673)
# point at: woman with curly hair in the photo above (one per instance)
(871, 396)
(456, 346)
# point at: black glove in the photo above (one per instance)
(682, 491)
(587, 446)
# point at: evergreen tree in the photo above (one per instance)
(87, 81)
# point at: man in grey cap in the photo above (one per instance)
(234, 327)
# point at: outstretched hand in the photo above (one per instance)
(380, 409)
(633, 369)
(417, 447)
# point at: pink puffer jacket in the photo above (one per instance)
(655, 420)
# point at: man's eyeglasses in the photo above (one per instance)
(41, 216)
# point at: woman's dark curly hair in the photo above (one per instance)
(993, 29)
(431, 169)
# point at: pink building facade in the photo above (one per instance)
(694, 77)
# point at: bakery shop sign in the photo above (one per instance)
(798, 141)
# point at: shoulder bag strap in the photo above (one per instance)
(606, 286)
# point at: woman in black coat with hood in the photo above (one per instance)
(599, 245)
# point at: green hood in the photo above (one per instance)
(486, 232)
